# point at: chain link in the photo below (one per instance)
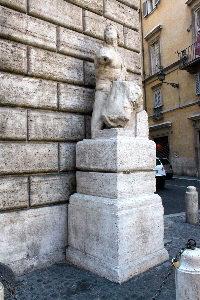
(191, 244)
(170, 269)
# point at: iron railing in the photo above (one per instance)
(157, 111)
(187, 57)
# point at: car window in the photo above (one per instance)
(158, 162)
(165, 161)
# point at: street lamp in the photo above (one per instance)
(161, 77)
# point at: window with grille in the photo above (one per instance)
(157, 98)
(197, 21)
(157, 104)
(197, 79)
(162, 147)
(155, 56)
(148, 6)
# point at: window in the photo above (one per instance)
(148, 6)
(155, 56)
(162, 147)
(197, 79)
(157, 98)
(197, 21)
(157, 104)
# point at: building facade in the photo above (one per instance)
(46, 94)
(170, 45)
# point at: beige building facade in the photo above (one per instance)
(169, 35)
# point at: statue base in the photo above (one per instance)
(116, 225)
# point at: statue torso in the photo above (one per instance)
(108, 66)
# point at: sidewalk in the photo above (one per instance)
(63, 281)
(190, 178)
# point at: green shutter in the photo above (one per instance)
(145, 9)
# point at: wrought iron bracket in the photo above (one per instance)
(174, 85)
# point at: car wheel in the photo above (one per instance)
(161, 184)
(169, 176)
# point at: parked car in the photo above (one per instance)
(160, 174)
(168, 168)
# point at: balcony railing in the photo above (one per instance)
(157, 113)
(188, 60)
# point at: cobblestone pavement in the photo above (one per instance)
(63, 281)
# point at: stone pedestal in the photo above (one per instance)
(115, 220)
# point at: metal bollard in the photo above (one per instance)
(191, 205)
(187, 275)
(1, 291)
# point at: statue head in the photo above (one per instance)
(110, 34)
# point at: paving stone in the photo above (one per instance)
(69, 282)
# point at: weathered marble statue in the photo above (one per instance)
(115, 197)
(115, 98)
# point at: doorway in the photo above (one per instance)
(162, 147)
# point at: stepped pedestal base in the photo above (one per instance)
(116, 225)
(116, 238)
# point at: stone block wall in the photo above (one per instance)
(46, 95)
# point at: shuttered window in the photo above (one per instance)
(197, 20)
(156, 2)
(155, 57)
(197, 31)
(148, 6)
(197, 79)
(145, 9)
(157, 99)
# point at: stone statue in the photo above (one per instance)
(115, 97)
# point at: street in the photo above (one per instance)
(173, 194)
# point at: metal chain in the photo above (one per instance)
(170, 269)
(191, 244)
(7, 286)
